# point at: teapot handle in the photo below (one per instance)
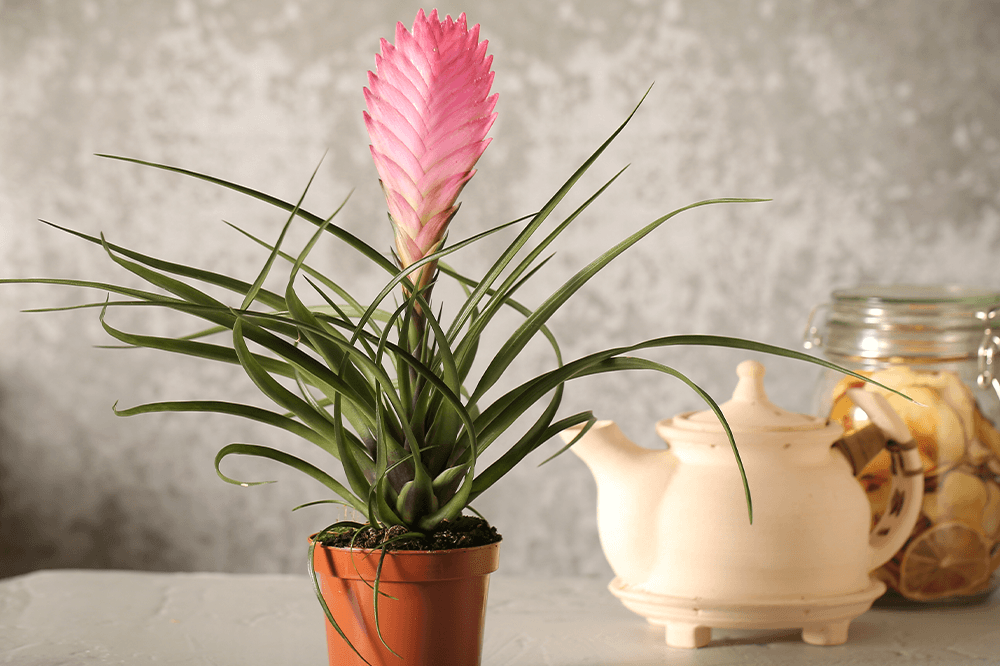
(907, 484)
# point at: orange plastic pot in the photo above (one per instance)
(437, 613)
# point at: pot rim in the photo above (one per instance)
(368, 551)
(407, 565)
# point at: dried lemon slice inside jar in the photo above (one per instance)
(949, 558)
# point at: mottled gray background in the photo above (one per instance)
(874, 126)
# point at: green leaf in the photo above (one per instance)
(318, 502)
(535, 436)
(469, 343)
(88, 284)
(237, 286)
(527, 330)
(379, 509)
(352, 306)
(367, 377)
(416, 499)
(378, 580)
(195, 349)
(528, 443)
(366, 250)
(314, 577)
(350, 450)
(401, 275)
(507, 301)
(289, 460)
(447, 420)
(332, 353)
(508, 255)
(619, 364)
(259, 282)
(447, 482)
(575, 420)
(176, 287)
(316, 373)
(279, 394)
(358, 467)
(231, 409)
(515, 280)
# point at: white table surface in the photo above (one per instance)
(51, 618)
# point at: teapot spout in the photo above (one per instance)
(605, 449)
(631, 482)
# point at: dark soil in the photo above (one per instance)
(462, 532)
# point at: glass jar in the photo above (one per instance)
(938, 345)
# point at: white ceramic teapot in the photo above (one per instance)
(674, 523)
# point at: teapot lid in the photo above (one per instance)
(749, 410)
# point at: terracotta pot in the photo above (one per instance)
(437, 615)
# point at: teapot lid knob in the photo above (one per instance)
(751, 385)
(749, 411)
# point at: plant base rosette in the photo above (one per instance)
(431, 604)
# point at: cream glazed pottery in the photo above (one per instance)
(675, 528)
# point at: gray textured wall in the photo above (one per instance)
(874, 126)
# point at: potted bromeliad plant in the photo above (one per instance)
(384, 387)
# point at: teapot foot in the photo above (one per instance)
(685, 635)
(689, 621)
(832, 633)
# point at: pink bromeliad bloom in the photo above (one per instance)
(429, 109)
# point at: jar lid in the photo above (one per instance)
(749, 410)
(908, 322)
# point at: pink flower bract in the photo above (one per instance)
(429, 109)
